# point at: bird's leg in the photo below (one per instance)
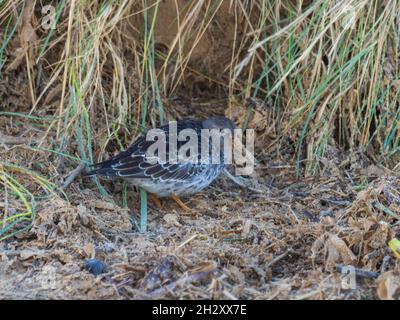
(143, 210)
(180, 203)
(156, 200)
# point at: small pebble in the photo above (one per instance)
(95, 266)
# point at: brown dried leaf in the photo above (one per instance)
(338, 246)
(89, 250)
(19, 55)
(100, 204)
(317, 246)
(206, 266)
(28, 33)
(172, 220)
(27, 36)
(335, 250)
(388, 285)
(380, 237)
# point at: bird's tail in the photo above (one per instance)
(99, 169)
(89, 173)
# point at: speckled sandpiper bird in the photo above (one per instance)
(163, 178)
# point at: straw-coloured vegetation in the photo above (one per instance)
(318, 80)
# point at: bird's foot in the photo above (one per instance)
(181, 204)
(156, 201)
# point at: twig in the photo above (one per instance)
(385, 263)
(229, 295)
(189, 278)
(5, 139)
(278, 258)
(74, 173)
(360, 272)
(186, 242)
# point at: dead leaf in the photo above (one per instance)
(89, 250)
(172, 220)
(19, 55)
(335, 250)
(338, 246)
(100, 204)
(27, 37)
(388, 285)
(29, 253)
(206, 266)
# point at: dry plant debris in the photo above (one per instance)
(317, 80)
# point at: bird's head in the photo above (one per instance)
(225, 130)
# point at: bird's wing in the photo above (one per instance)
(134, 163)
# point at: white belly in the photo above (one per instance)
(176, 187)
